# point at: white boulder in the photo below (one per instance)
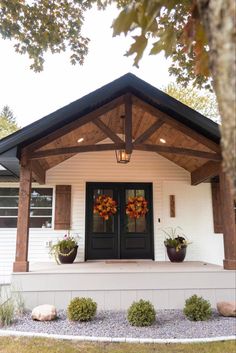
(227, 308)
(44, 312)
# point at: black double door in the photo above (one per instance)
(119, 237)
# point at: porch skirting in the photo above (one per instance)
(114, 285)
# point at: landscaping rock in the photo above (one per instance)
(227, 308)
(44, 313)
(169, 324)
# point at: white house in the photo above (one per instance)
(54, 169)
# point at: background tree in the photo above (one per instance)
(198, 35)
(8, 123)
(202, 101)
(42, 25)
(200, 38)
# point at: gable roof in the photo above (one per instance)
(75, 110)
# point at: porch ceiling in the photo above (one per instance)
(153, 121)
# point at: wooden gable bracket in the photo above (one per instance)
(37, 171)
(107, 131)
(74, 125)
(206, 171)
(177, 125)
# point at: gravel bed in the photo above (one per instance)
(169, 324)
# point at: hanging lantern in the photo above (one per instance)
(122, 156)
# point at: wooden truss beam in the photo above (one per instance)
(177, 125)
(128, 123)
(76, 149)
(74, 125)
(206, 171)
(107, 131)
(179, 150)
(111, 146)
(146, 134)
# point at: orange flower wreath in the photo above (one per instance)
(136, 207)
(105, 206)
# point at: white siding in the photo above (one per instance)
(193, 204)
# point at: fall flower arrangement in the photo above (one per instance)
(105, 206)
(136, 207)
(64, 247)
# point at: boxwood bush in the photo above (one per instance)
(81, 309)
(141, 313)
(197, 309)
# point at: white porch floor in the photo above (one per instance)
(114, 285)
(126, 266)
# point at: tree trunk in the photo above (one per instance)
(219, 20)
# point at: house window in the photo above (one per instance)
(40, 207)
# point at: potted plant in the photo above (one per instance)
(65, 250)
(176, 244)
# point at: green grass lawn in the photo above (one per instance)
(40, 345)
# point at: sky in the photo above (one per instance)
(33, 95)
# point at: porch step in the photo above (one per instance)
(116, 286)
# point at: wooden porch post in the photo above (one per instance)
(228, 222)
(21, 263)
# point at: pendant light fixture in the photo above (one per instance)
(121, 155)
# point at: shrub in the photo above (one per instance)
(81, 309)
(7, 312)
(141, 313)
(197, 309)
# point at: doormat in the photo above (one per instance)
(120, 262)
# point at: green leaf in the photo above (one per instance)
(124, 22)
(138, 48)
(167, 42)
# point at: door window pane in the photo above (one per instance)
(100, 225)
(140, 225)
(133, 225)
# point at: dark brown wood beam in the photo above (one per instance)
(150, 131)
(107, 131)
(228, 222)
(177, 125)
(21, 263)
(38, 172)
(74, 125)
(206, 171)
(128, 123)
(216, 207)
(178, 150)
(111, 146)
(76, 149)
